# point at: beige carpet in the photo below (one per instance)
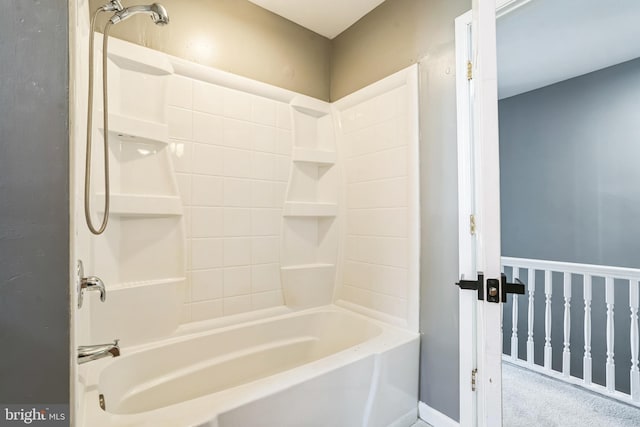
(535, 400)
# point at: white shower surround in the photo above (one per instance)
(380, 255)
(392, 263)
(231, 154)
(386, 361)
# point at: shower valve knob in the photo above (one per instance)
(90, 283)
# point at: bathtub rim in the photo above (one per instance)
(206, 327)
(390, 337)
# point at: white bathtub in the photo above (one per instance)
(322, 367)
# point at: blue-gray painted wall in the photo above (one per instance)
(34, 202)
(570, 191)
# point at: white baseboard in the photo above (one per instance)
(434, 417)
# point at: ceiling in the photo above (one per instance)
(326, 17)
(539, 43)
(547, 41)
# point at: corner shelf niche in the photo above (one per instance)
(309, 236)
(314, 156)
(310, 209)
(141, 257)
(129, 129)
(136, 205)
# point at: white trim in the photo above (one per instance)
(434, 417)
(408, 418)
(466, 300)
(506, 6)
(413, 175)
(487, 182)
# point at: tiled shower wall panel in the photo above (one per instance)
(231, 153)
(375, 146)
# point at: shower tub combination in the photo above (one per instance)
(329, 357)
(318, 367)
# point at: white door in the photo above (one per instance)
(479, 213)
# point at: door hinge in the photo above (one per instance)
(469, 70)
(472, 224)
(474, 373)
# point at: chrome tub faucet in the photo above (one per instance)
(87, 353)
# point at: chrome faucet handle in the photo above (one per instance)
(90, 283)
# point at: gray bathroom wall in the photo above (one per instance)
(235, 36)
(396, 34)
(569, 158)
(439, 317)
(34, 202)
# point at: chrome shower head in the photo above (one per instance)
(157, 12)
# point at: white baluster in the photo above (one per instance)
(566, 351)
(634, 294)
(586, 361)
(531, 285)
(611, 367)
(514, 319)
(548, 291)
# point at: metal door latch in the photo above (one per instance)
(494, 287)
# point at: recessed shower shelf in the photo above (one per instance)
(312, 266)
(319, 157)
(143, 283)
(310, 209)
(310, 106)
(135, 130)
(143, 205)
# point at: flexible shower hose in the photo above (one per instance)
(105, 134)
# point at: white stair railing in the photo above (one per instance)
(634, 294)
(586, 360)
(514, 319)
(612, 277)
(530, 314)
(548, 291)
(566, 350)
(611, 367)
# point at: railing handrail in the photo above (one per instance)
(588, 272)
(570, 267)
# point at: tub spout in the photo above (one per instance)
(87, 353)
